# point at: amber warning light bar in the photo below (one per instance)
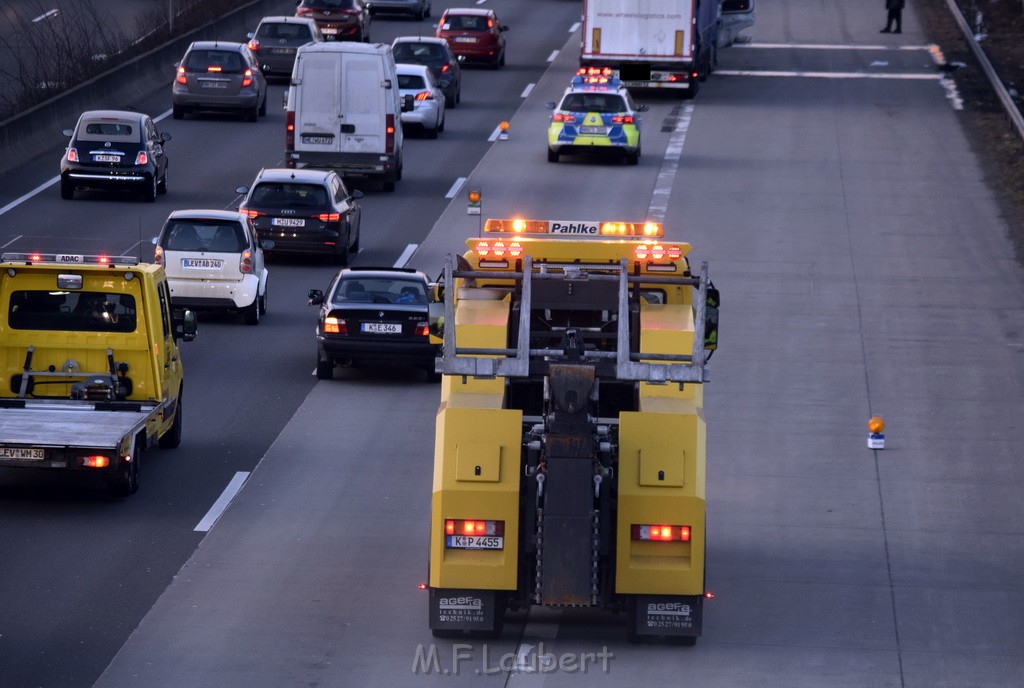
(577, 228)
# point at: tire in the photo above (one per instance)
(501, 62)
(254, 114)
(251, 313)
(634, 157)
(127, 483)
(354, 248)
(178, 112)
(263, 106)
(149, 193)
(324, 369)
(458, 92)
(67, 189)
(161, 186)
(440, 127)
(263, 299)
(172, 438)
(432, 133)
(552, 156)
(426, 12)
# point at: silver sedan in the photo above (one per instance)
(416, 82)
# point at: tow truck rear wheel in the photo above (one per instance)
(172, 438)
(127, 481)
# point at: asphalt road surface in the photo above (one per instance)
(864, 269)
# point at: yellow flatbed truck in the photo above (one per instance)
(569, 458)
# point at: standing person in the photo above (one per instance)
(895, 8)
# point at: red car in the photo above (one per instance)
(338, 19)
(475, 35)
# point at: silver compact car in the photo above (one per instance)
(416, 82)
(215, 76)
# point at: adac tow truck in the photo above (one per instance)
(90, 364)
(569, 459)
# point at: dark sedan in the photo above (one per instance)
(114, 149)
(373, 316)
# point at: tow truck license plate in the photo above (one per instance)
(202, 263)
(382, 328)
(288, 222)
(474, 542)
(22, 453)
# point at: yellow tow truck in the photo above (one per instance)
(569, 458)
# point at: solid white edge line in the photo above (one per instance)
(454, 191)
(406, 255)
(495, 134)
(572, 29)
(829, 75)
(553, 56)
(12, 241)
(827, 46)
(527, 91)
(221, 505)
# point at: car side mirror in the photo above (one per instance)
(503, 28)
(408, 104)
(251, 35)
(316, 297)
(641, 108)
(165, 137)
(68, 132)
(435, 321)
(155, 240)
(185, 325)
(241, 189)
(550, 105)
(177, 64)
(355, 195)
(266, 244)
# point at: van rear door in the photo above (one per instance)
(318, 110)
(363, 104)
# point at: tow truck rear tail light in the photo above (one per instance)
(142, 158)
(422, 329)
(424, 95)
(660, 533)
(454, 526)
(333, 325)
(94, 461)
(247, 78)
(329, 217)
(670, 252)
(158, 255)
(498, 249)
(245, 264)
(72, 155)
(181, 76)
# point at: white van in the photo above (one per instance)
(344, 111)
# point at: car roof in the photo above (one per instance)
(113, 114)
(286, 19)
(346, 47)
(480, 12)
(372, 272)
(198, 214)
(408, 68)
(216, 45)
(420, 39)
(282, 174)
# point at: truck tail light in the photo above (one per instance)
(453, 526)
(660, 533)
(142, 158)
(498, 249)
(657, 252)
(158, 255)
(389, 136)
(72, 155)
(245, 264)
(247, 78)
(181, 76)
(333, 325)
(289, 130)
(94, 461)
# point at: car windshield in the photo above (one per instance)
(419, 53)
(284, 31)
(379, 290)
(593, 102)
(108, 130)
(466, 22)
(217, 61)
(279, 194)
(204, 235)
(340, 4)
(411, 81)
(81, 311)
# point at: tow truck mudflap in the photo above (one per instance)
(667, 615)
(462, 609)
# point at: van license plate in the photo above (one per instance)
(382, 328)
(318, 140)
(22, 453)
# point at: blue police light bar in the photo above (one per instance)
(577, 228)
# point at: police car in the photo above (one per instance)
(597, 115)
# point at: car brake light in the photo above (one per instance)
(245, 265)
(214, 68)
(158, 255)
(424, 95)
(252, 214)
(254, 45)
(622, 119)
(661, 533)
(247, 78)
(329, 217)
(458, 526)
(141, 158)
(181, 76)
(445, 68)
(490, 24)
(563, 117)
(334, 325)
(299, 11)
(422, 329)
(72, 155)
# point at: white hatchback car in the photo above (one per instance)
(214, 260)
(427, 97)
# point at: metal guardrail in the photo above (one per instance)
(1012, 111)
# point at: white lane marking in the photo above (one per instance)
(12, 241)
(46, 15)
(829, 75)
(541, 624)
(406, 255)
(527, 91)
(495, 134)
(222, 502)
(830, 46)
(452, 192)
(522, 665)
(480, 2)
(669, 166)
(572, 29)
(553, 56)
(50, 182)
